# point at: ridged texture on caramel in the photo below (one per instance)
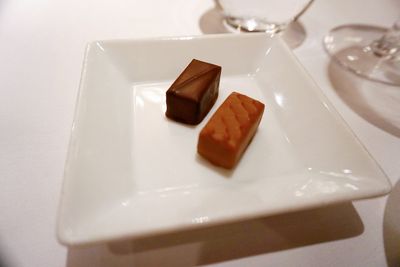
(230, 129)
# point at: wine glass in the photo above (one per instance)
(270, 16)
(371, 52)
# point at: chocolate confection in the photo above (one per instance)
(193, 93)
(227, 134)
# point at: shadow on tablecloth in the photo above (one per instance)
(379, 105)
(391, 227)
(226, 242)
(375, 102)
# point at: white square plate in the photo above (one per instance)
(132, 172)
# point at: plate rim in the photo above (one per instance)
(60, 231)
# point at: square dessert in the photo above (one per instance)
(229, 131)
(193, 93)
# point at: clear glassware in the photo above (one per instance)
(271, 16)
(371, 52)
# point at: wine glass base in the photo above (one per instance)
(293, 33)
(251, 25)
(350, 46)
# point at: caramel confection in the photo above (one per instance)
(227, 134)
(193, 93)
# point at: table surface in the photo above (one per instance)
(41, 51)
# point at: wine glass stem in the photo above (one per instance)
(389, 44)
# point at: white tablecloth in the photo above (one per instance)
(41, 50)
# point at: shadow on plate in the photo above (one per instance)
(211, 22)
(375, 102)
(226, 242)
(391, 227)
(224, 172)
